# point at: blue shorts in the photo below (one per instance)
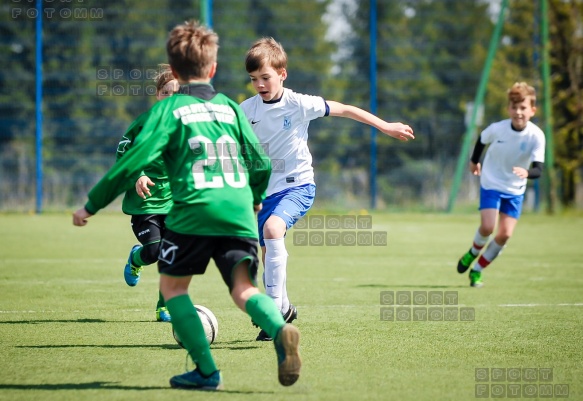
(290, 205)
(505, 203)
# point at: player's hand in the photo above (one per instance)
(475, 168)
(80, 217)
(399, 131)
(257, 208)
(520, 172)
(142, 186)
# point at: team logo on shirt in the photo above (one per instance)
(287, 122)
(167, 251)
(523, 146)
(123, 145)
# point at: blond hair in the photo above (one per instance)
(266, 51)
(520, 91)
(192, 50)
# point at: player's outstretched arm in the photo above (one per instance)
(399, 131)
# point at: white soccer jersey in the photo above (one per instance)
(508, 149)
(282, 128)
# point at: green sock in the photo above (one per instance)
(264, 313)
(161, 302)
(136, 259)
(188, 327)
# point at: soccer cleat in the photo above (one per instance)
(132, 273)
(162, 315)
(263, 336)
(289, 316)
(194, 380)
(465, 262)
(287, 347)
(476, 279)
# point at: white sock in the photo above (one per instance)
(491, 252)
(479, 242)
(284, 298)
(275, 271)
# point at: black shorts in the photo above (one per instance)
(148, 228)
(187, 255)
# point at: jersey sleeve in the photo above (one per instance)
(487, 135)
(121, 176)
(312, 107)
(538, 151)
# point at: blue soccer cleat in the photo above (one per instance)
(132, 273)
(162, 315)
(194, 380)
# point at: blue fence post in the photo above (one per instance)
(38, 105)
(373, 102)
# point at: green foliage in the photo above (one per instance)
(429, 59)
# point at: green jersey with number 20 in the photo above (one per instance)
(216, 166)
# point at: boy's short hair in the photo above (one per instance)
(163, 76)
(192, 50)
(520, 91)
(266, 51)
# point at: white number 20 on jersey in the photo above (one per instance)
(222, 165)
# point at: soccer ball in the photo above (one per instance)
(209, 322)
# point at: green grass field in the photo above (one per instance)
(71, 329)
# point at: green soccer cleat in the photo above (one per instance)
(287, 347)
(132, 273)
(194, 380)
(476, 279)
(162, 315)
(465, 262)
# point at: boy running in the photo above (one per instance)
(148, 206)
(280, 119)
(205, 143)
(516, 152)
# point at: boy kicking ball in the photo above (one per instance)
(213, 216)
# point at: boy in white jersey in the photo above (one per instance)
(516, 152)
(280, 118)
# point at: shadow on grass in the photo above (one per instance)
(102, 386)
(163, 346)
(231, 345)
(385, 286)
(73, 321)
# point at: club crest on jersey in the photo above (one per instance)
(123, 145)
(167, 251)
(287, 122)
(523, 146)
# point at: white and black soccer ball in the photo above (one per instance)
(209, 322)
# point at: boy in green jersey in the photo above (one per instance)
(218, 175)
(148, 206)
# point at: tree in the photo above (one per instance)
(567, 83)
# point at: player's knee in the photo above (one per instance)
(150, 252)
(274, 229)
(486, 229)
